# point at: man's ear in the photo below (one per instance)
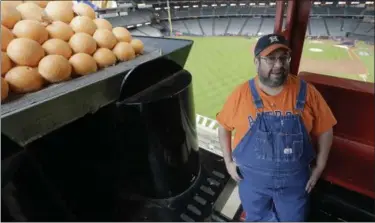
(256, 62)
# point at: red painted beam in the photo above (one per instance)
(296, 25)
(279, 16)
(297, 33)
(290, 14)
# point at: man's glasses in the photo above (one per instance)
(272, 60)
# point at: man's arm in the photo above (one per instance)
(225, 139)
(226, 118)
(324, 146)
(323, 123)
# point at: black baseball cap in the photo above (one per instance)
(269, 43)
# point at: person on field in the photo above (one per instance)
(274, 115)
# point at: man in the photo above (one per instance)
(274, 115)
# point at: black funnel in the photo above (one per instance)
(156, 102)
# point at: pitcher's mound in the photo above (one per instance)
(316, 41)
(317, 50)
(363, 53)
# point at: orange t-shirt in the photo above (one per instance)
(239, 111)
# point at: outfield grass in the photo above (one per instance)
(219, 64)
(367, 60)
(330, 52)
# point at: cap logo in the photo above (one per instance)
(273, 39)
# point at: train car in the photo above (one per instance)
(121, 144)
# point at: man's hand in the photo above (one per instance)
(315, 175)
(324, 146)
(232, 170)
(225, 138)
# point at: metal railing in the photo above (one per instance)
(207, 130)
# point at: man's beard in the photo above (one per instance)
(270, 80)
(273, 81)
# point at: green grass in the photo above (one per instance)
(330, 52)
(367, 60)
(219, 64)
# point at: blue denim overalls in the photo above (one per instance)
(274, 160)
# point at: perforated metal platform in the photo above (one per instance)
(197, 203)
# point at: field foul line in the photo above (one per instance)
(350, 52)
(365, 75)
(350, 55)
(355, 55)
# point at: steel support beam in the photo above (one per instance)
(298, 12)
(279, 16)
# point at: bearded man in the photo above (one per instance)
(274, 116)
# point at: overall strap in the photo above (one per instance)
(256, 98)
(301, 98)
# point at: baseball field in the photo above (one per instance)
(218, 64)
